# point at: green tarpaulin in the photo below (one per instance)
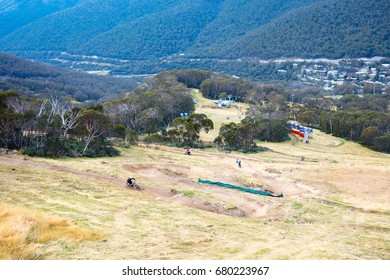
(238, 188)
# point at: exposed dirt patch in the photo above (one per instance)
(273, 171)
(239, 204)
(7, 151)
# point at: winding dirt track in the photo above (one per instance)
(243, 205)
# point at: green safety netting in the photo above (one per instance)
(238, 188)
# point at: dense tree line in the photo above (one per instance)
(242, 136)
(53, 127)
(186, 130)
(242, 68)
(162, 107)
(362, 119)
(377, 102)
(153, 105)
(370, 128)
(236, 88)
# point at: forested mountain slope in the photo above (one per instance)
(30, 78)
(332, 29)
(240, 17)
(222, 28)
(17, 13)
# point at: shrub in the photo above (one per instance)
(154, 138)
(32, 152)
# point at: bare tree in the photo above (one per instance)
(133, 117)
(55, 115)
(18, 105)
(69, 120)
(94, 124)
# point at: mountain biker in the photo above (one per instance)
(131, 182)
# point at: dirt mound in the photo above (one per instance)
(232, 202)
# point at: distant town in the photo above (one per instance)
(356, 76)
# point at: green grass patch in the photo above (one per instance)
(297, 205)
(189, 193)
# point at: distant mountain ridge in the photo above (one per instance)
(147, 30)
(15, 14)
(29, 78)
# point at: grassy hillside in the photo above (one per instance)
(219, 115)
(335, 203)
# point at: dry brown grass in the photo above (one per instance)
(320, 222)
(335, 205)
(21, 230)
(219, 115)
